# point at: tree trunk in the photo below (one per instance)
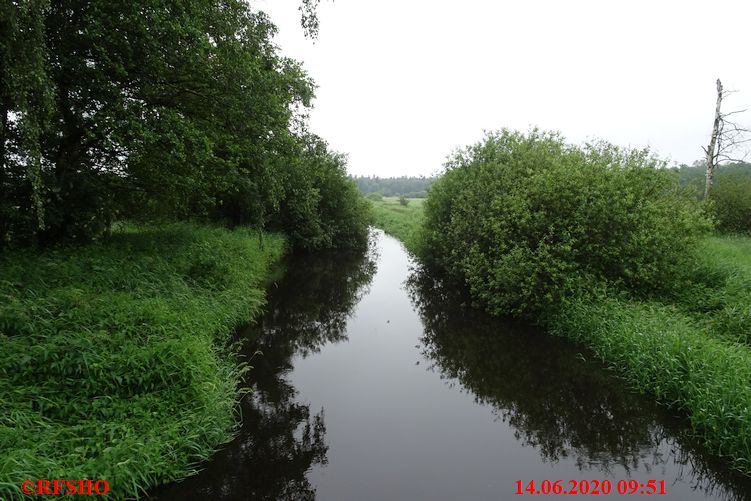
(5, 202)
(4, 138)
(711, 154)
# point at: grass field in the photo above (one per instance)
(398, 220)
(117, 362)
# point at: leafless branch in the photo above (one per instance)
(733, 159)
(723, 115)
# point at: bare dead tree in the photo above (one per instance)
(727, 137)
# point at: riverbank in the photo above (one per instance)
(690, 350)
(117, 360)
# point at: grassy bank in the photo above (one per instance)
(116, 359)
(660, 350)
(718, 292)
(399, 220)
(690, 350)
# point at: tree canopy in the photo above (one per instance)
(154, 109)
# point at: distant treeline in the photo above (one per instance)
(694, 175)
(414, 187)
(730, 195)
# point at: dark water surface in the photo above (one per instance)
(373, 386)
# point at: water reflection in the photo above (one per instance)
(281, 438)
(309, 308)
(557, 401)
(426, 398)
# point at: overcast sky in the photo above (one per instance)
(401, 83)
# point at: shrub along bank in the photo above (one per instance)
(526, 220)
(117, 361)
(602, 245)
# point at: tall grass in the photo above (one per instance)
(661, 351)
(116, 359)
(717, 289)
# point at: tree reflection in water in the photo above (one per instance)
(280, 438)
(560, 403)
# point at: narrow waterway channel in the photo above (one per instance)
(374, 383)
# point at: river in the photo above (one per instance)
(375, 383)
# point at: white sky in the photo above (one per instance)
(401, 83)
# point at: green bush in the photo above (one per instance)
(526, 219)
(731, 201)
(375, 196)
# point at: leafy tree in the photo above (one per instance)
(731, 195)
(527, 220)
(323, 208)
(309, 17)
(151, 109)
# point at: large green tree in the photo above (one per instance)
(179, 99)
(151, 108)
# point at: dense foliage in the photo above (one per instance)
(157, 108)
(323, 209)
(412, 187)
(526, 219)
(116, 358)
(731, 203)
(689, 348)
